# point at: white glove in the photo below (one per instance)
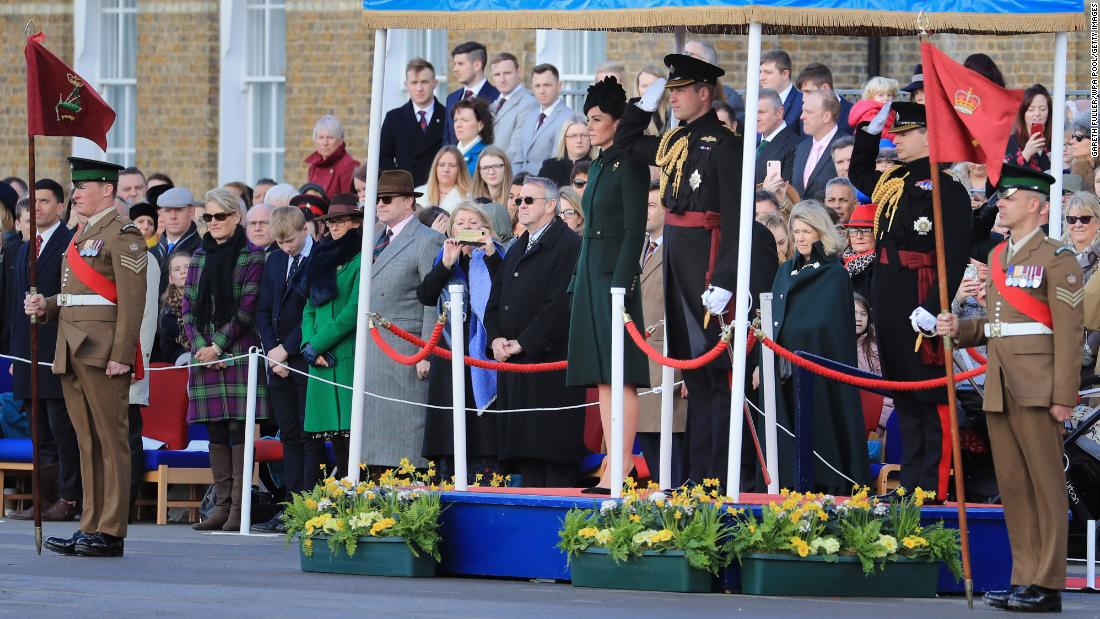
(716, 300)
(652, 96)
(923, 322)
(878, 123)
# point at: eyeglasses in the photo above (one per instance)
(387, 199)
(339, 221)
(859, 232)
(576, 136)
(259, 224)
(1078, 137)
(528, 200)
(209, 217)
(579, 183)
(1084, 219)
(569, 213)
(492, 167)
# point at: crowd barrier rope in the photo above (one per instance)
(866, 383)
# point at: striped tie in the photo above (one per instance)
(382, 242)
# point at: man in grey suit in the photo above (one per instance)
(514, 104)
(404, 250)
(539, 133)
(813, 161)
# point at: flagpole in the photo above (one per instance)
(948, 362)
(32, 280)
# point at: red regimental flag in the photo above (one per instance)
(969, 117)
(60, 102)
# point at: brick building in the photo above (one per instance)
(210, 91)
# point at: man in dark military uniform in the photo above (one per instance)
(98, 314)
(1035, 338)
(904, 286)
(700, 187)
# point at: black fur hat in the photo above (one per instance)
(608, 95)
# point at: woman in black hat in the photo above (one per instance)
(614, 206)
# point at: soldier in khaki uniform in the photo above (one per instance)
(1034, 334)
(99, 313)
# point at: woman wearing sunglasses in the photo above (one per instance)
(221, 293)
(1079, 146)
(615, 209)
(1082, 232)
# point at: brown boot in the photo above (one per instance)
(233, 523)
(221, 466)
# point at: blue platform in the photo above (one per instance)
(504, 534)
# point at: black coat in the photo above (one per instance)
(780, 148)
(168, 347)
(812, 310)
(481, 430)
(529, 303)
(559, 170)
(894, 287)
(49, 284)
(279, 312)
(823, 172)
(13, 302)
(405, 147)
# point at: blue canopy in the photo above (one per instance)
(836, 17)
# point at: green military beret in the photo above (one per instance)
(1015, 177)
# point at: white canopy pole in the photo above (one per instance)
(249, 440)
(767, 383)
(1057, 130)
(615, 445)
(744, 252)
(370, 200)
(668, 377)
(458, 384)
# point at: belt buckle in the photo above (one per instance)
(995, 329)
(63, 299)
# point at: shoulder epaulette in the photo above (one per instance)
(129, 227)
(1062, 248)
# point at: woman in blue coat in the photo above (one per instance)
(615, 205)
(473, 123)
(812, 312)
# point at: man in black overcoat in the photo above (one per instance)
(701, 189)
(527, 321)
(413, 133)
(53, 238)
(904, 285)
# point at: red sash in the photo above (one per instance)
(100, 285)
(1023, 302)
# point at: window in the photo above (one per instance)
(118, 75)
(576, 54)
(404, 45)
(265, 88)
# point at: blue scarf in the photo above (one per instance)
(477, 285)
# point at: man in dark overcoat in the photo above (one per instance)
(904, 285)
(527, 320)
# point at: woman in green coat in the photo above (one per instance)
(812, 310)
(328, 327)
(615, 208)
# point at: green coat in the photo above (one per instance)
(331, 328)
(615, 205)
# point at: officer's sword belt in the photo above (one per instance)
(708, 220)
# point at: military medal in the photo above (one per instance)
(922, 226)
(1011, 279)
(695, 180)
(1038, 277)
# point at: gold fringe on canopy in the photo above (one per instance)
(733, 20)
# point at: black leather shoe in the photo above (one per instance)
(99, 545)
(1036, 599)
(999, 599)
(597, 490)
(64, 545)
(275, 525)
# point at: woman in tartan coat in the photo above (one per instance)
(219, 309)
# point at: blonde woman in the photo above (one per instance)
(472, 265)
(776, 223)
(645, 78)
(812, 307)
(1082, 225)
(574, 145)
(570, 211)
(494, 176)
(449, 181)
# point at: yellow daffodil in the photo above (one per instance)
(588, 532)
(635, 518)
(382, 525)
(913, 542)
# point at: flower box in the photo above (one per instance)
(813, 576)
(666, 570)
(374, 556)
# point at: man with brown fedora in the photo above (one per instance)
(404, 253)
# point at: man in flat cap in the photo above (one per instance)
(98, 315)
(700, 187)
(904, 288)
(1034, 336)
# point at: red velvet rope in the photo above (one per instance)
(413, 359)
(679, 364)
(867, 383)
(977, 356)
(521, 368)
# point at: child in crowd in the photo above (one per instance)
(880, 89)
(170, 347)
(867, 354)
